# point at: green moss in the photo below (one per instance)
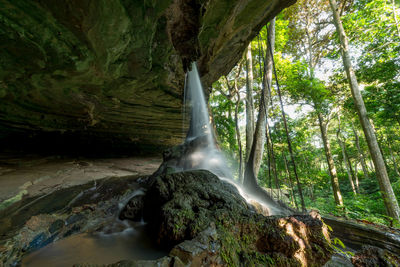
(6, 203)
(237, 246)
(186, 214)
(230, 246)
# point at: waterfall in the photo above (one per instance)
(206, 155)
(202, 152)
(200, 119)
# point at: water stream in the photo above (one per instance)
(114, 241)
(133, 243)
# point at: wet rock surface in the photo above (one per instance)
(27, 176)
(197, 153)
(134, 209)
(33, 223)
(179, 158)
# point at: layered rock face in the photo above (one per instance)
(111, 73)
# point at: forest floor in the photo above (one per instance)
(32, 175)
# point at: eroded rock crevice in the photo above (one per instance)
(183, 25)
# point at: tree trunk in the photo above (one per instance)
(307, 168)
(381, 143)
(249, 102)
(290, 182)
(356, 176)
(269, 164)
(349, 162)
(360, 153)
(234, 91)
(395, 18)
(267, 77)
(273, 161)
(311, 191)
(299, 186)
(371, 165)
(346, 163)
(250, 178)
(396, 169)
(331, 166)
(240, 171)
(389, 198)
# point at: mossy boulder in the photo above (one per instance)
(196, 209)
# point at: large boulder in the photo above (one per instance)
(197, 153)
(111, 73)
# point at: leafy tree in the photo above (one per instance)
(389, 198)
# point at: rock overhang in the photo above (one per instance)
(111, 73)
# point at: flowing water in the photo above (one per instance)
(118, 240)
(131, 244)
(200, 119)
(209, 157)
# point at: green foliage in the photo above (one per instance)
(305, 42)
(368, 205)
(372, 26)
(338, 247)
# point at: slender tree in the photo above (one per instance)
(329, 159)
(290, 181)
(303, 206)
(345, 159)
(266, 74)
(361, 156)
(396, 169)
(259, 133)
(356, 176)
(249, 102)
(232, 92)
(250, 178)
(238, 137)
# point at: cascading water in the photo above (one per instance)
(200, 120)
(206, 155)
